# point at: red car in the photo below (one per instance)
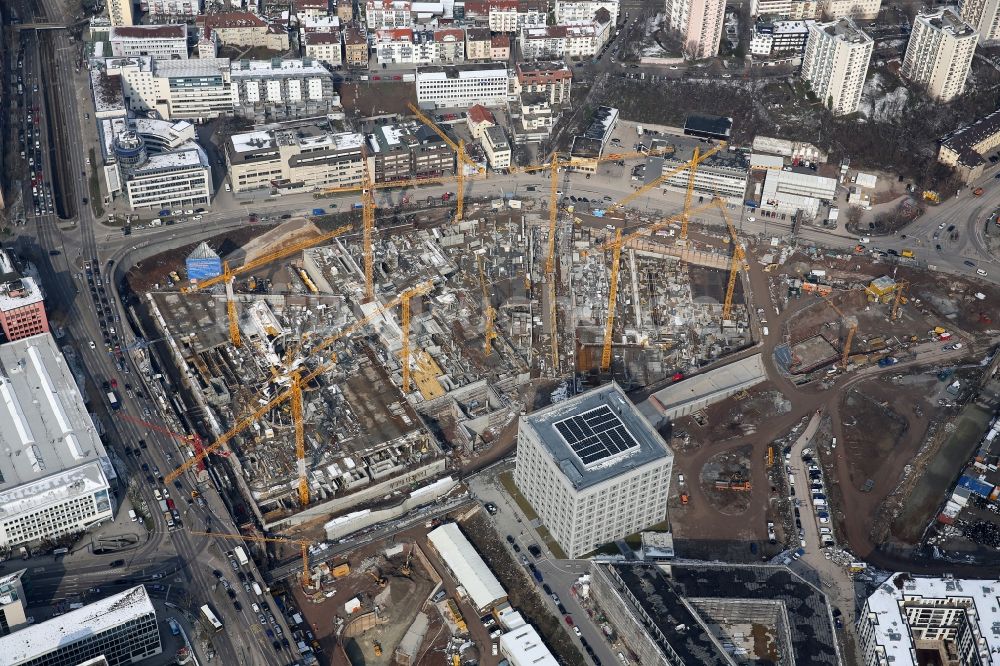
(678, 376)
(114, 383)
(569, 620)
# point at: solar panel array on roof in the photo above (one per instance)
(596, 435)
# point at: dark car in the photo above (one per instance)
(217, 573)
(142, 443)
(969, 263)
(535, 550)
(230, 593)
(145, 467)
(284, 642)
(150, 479)
(237, 605)
(54, 253)
(546, 589)
(510, 539)
(276, 645)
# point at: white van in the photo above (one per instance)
(132, 516)
(766, 332)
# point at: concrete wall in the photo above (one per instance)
(619, 615)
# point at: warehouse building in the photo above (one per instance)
(463, 85)
(55, 477)
(793, 192)
(304, 157)
(121, 628)
(593, 469)
(467, 567)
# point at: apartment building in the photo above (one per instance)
(552, 79)
(345, 10)
(939, 53)
(311, 9)
(120, 629)
(836, 63)
(244, 30)
(120, 13)
(789, 10)
(463, 85)
(584, 11)
(478, 119)
(500, 47)
(478, 43)
(280, 89)
(954, 620)
(779, 37)
(381, 14)
(543, 43)
(193, 89)
(304, 157)
(984, 17)
(22, 307)
(170, 11)
(158, 41)
(507, 15)
(699, 24)
(497, 147)
(422, 47)
(966, 148)
(408, 150)
(355, 47)
(324, 46)
(593, 469)
(57, 477)
(866, 10)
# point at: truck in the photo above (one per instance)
(113, 401)
(907, 254)
(319, 211)
(241, 556)
(256, 589)
(167, 516)
(163, 506)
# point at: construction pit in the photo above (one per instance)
(373, 430)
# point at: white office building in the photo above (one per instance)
(462, 86)
(984, 17)
(120, 629)
(955, 620)
(55, 476)
(836, 63)
(195, 89)
(791, 10)
(772, 38)
(522, 646)
(593, 469)
(158, 41)
(939, 53)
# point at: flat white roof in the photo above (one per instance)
(468, 567)
(167, 67)
(32, 295)
(45, 429)
(524, 647)
(37, 640)
(892, 632)
(175, 159)
(258, 68)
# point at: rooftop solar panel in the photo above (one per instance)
(596, 435)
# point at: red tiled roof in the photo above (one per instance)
(444, 33)
(394, 35)
(234, 20)
(479, 114)
(500, 41)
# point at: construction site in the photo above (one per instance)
(339, 364)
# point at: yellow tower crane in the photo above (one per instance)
(460, 182)
(444, 137)
(234, 324)
(490, 313)
(737, 262)
(550, 259)
(265, 405)
(899, 299)
(303, 546)
(368, 227)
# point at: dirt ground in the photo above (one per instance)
(376, 98)
(732, 467)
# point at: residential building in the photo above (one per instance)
(779, 37)
(866, 10)
(304, 157)
(56, 478)
(244, 30)
(593, 469)
(911, 614)
(408, 150)
(966, 148)
(507, 15)
(280, 89)
(534, 114)
(175, 179)
(478, 44)
(311, 9)
(789, 10)
(699, 25)
(540, 43)
(552, 79)
(194, 89)
(500, 48)
(478, 119)
(448, 45)
(355, 46)
(120, 13)
(422, 47)
(939, 53)
(588, 147)
(12, 602)
(381, 14)
(324, 46)
(22, 306)
(169, 11)
(463, 85)
(121, 628)
(584, 11)
(497, 147)
(345, 10)
(159, 41)
(836, 63)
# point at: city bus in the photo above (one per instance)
(209, 620)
